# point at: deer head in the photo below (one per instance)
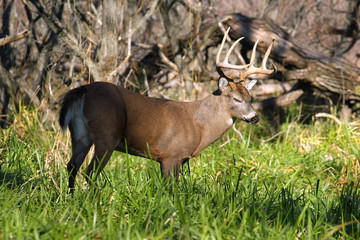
(237, 93)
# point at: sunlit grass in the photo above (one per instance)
(301, 182)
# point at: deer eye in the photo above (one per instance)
(237, 100)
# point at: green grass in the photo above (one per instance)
(299, 184)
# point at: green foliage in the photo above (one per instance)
(302, 183)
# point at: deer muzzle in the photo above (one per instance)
(251, 118)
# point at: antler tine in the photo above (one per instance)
(263, 64)
(231, 49)
(221, 47)
(225, 63)
(252, 69)
(219, 70)
(252, 58)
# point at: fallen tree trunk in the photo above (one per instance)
(281, 101)
(268, 89)
(329, 74)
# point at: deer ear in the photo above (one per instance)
(224, 85)
(250, 84)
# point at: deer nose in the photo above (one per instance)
(253, 120)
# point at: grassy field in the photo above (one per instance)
(298, 182)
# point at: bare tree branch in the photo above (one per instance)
(14, 38)
(153, 5)
(10, 83)
(68, 39)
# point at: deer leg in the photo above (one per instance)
(80, 151)
(168, 167)
(100, 159)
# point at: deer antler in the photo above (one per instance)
(225, 63)
(251, 70)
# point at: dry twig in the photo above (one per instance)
(13, 38)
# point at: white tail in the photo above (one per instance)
(110, 116)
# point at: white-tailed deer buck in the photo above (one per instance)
(169, 132)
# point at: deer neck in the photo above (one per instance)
(213, 119)
(214, 113)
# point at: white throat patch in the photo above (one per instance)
(230, 121)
